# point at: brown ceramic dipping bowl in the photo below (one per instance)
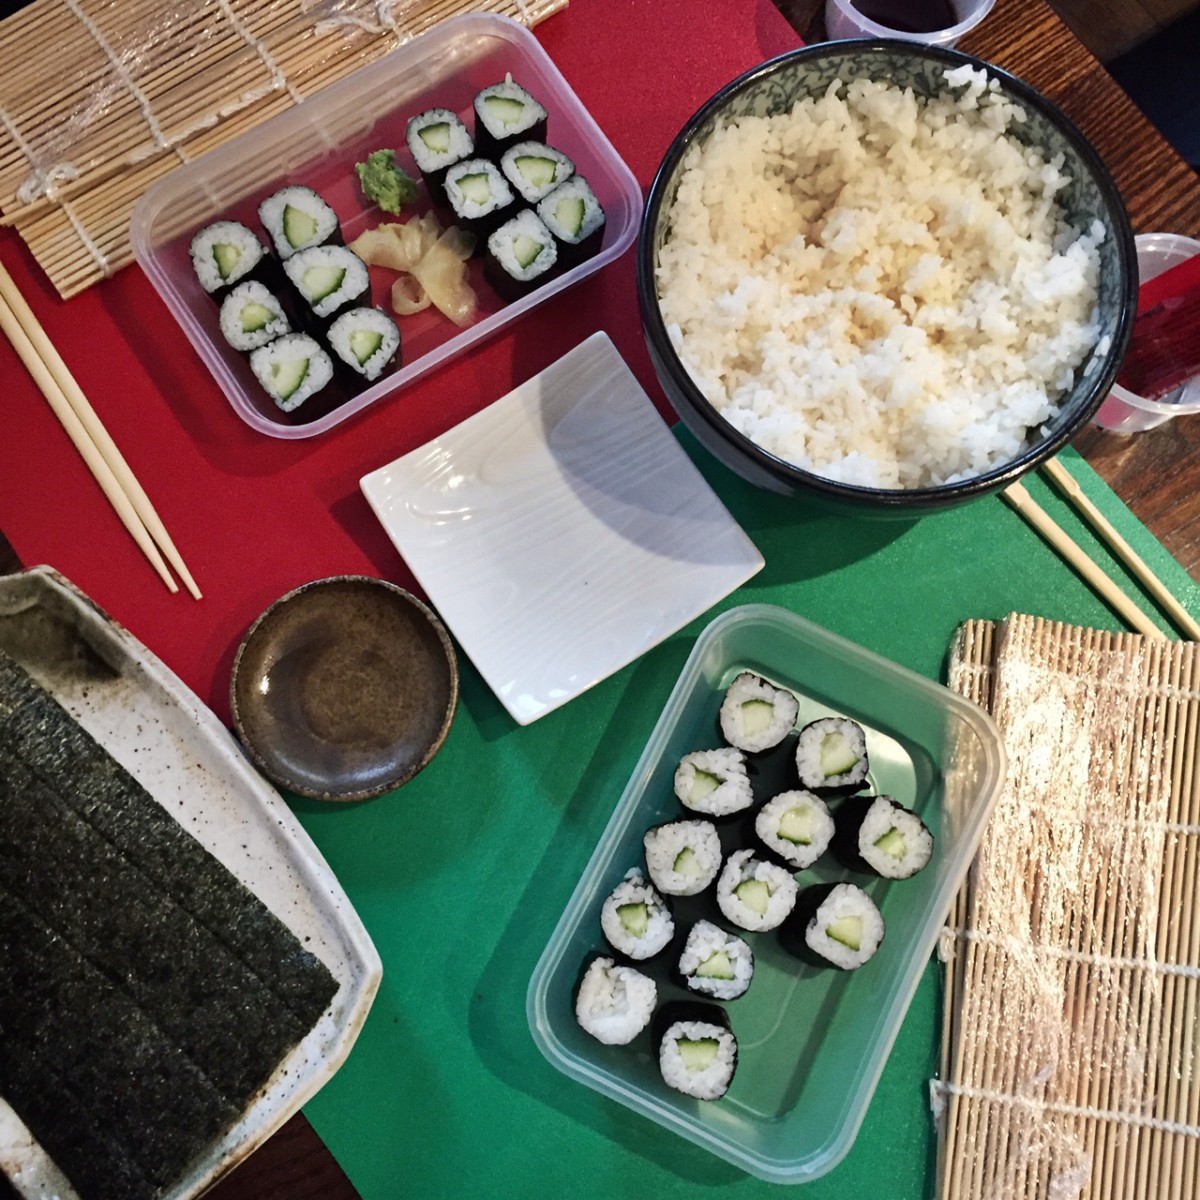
(344, 688)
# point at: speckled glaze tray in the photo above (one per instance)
(160, 732)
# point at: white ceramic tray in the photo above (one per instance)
(176, 748)
(562, 531)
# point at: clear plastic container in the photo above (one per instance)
(317, 144)
(1124, 411)
(812, 1042)
(843, 20)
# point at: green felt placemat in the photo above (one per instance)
(461, 876)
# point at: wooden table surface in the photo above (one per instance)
(1149, 471)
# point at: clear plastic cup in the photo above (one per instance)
(1124, 411)
(843, 20)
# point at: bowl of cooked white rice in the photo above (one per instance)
(887, 276)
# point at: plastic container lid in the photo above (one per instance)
(1124, 411)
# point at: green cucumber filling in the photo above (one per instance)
(703, 784)
(538, 170)
(504, 109)
(687, 864)
(796, 826)
(847, 931)
(299, 227)
(837, 756)
(568, 212)
(364, 343)
(320, 281)
(255, 316)
(226, 256)
(757, 716)
(477, 187)
(635, 918)
(697, 1054)
(892, 844)
(526, 249)
(755, 894)
(436, 137)
(716, 966)
(288, 375)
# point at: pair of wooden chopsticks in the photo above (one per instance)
(1017, 496)
(90, 437)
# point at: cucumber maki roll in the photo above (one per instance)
(841, 925)
(714, 782)
(223, 254)
(520, 256)
(506, 113)
(878, 835)
(252, 315)
(683, 857)
(296, 218)
(716, 963)
(437, 139)
(795, 826)
(697, 1050)
(614, 1003)
(328, 280)
(366, 341)
(535, 169)
(755, 894)
(756, 715)
(573, 214)
(292, 369)
(635, 918)
(479, 197)
(831, 753)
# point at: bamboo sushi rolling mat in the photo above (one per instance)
(1073, 952)
(99, 98)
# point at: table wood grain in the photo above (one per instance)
(1152, 472)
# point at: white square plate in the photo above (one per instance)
(562, 531)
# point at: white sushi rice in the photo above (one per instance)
(562, 168)
(845, 902)
(755, 894)
(459, 143)
(710, 950)
(797, 826)
(831, 752)
(293, 353)
(709, 1083)
(893, 841)
(633, 895)
(714, 782)
(683, 857)
(228, 240)
(879, 288)
(273, 213)
(251, 316)
(755, 714)
(365, 319)
(614, 1004)
(499, 193)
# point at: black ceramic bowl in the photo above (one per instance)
(774, 87)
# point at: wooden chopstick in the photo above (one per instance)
(89, 436)
(1066, 484)
(1020, 499)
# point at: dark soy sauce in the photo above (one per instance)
(909, 16)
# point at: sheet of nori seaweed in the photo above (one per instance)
(110, 949)
(101, 906)
(109, 1096)
(61, 751)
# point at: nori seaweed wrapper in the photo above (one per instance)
(61, 752)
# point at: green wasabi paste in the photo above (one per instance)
(384, 183)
